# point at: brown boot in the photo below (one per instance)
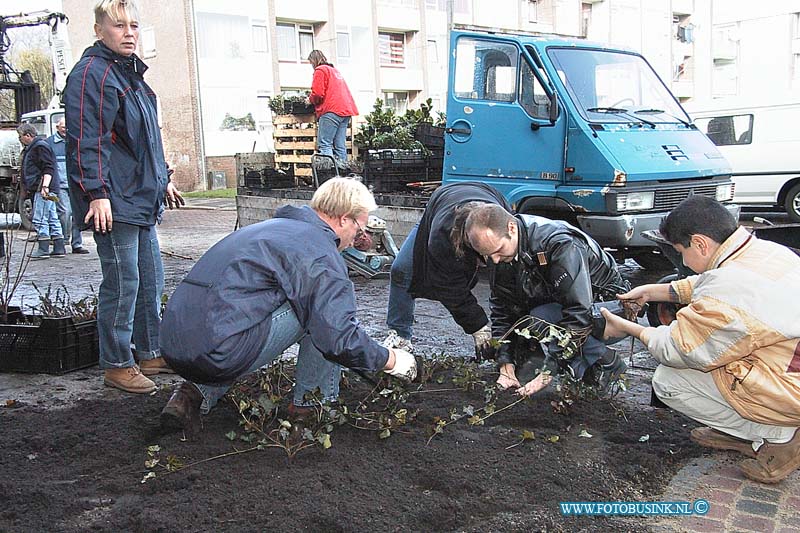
(128, 379)
(151, 367)
(773, 462)
(182, 411)
(711, 438)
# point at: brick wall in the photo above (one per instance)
(227, 164)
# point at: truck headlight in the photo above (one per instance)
(635, 201)
(725, 192)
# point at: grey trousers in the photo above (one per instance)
(695, 394)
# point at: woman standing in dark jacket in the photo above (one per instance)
(118, 175)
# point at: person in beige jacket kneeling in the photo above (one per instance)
(731, 359)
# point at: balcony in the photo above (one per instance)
(401, 79)
(395, 18)
(313, 11)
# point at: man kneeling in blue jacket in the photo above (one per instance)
(266, 287)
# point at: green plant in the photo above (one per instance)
(383, 128)
(277, 103)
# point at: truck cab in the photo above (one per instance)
(576, 131)
(44, 121)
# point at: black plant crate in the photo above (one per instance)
(269, 178)
(429, 135)
(278, 178)
(53, 346)
(298, 108)
(396, 157)
(393, 178)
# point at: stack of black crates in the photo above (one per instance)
(391, 170)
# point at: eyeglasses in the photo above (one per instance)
(360, 231)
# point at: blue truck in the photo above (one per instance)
(577, 131)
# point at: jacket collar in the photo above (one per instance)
(308, 215)
(131, 63)
(735, 245)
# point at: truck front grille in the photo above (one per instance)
(667, 199)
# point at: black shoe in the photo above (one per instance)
(607, 371)
(80, 250)
(182, 411)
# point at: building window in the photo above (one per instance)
(148, 42)
(533, 11)
(391, 49)
(260, 38)
(433, 52)
(462, 7)
(586, 19)
(295, 41)
(396, 101)
(342, 44)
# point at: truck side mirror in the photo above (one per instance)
(553, 107)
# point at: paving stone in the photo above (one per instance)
(752, 523)
(758, 492)
(717, 511)
(792, 502)
(759, 508)
(700, 524)
(716, 496)
(723, 483)
(729, 470)
(791, 518)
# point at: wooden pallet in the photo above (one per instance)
(295, 139)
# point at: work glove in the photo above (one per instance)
(405, 366)
(483, 343)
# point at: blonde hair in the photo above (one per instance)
(116, 10)
(340, 197)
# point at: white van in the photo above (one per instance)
(761, 141)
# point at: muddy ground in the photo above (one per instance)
(73, 453)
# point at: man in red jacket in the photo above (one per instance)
(334, 106)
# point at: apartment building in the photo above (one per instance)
(216, 63)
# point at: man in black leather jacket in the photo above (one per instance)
(554, 272)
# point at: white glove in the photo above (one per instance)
(483, 343)
(405, 366)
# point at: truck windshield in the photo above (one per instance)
(615, 87)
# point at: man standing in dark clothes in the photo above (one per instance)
(40, 176)
(431, 266)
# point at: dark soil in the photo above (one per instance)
(81, 468)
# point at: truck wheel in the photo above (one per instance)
(663, 313)
(25, 209)
(792, 203)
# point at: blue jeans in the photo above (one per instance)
(400, 315)
(129, 301)
(332, 135)
(45, 219)
(312, 370)
(64, 210)
(591, 351)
